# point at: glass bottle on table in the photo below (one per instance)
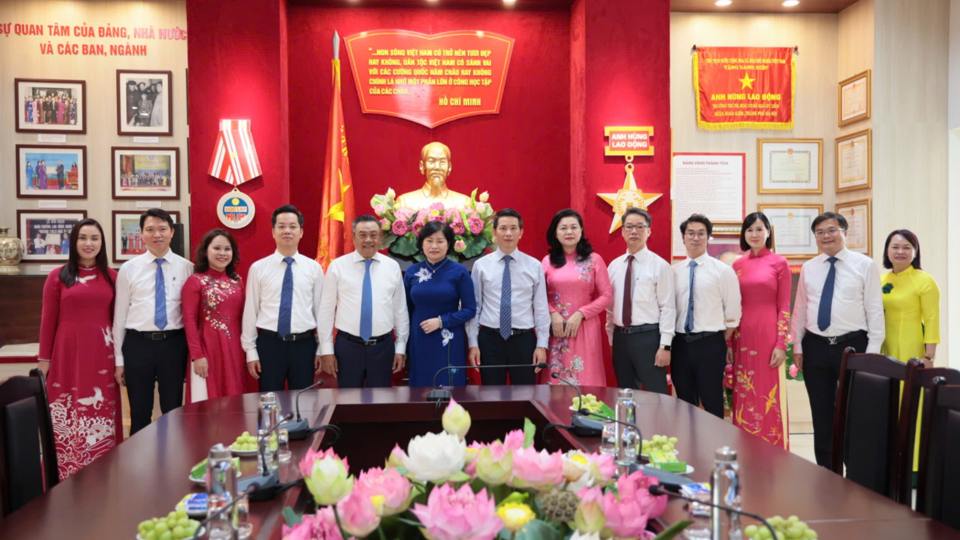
(269, 416)
(221, 491)
(628, 437)
(725, 484)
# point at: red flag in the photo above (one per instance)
(336, 206)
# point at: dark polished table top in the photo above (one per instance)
(147, 474)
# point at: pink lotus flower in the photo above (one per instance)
(400, 228)
(451, 214)
(357, 514)
(514, 440)
(389, 484)
(458, 227)
(494, 464)
(437, 206)
(385, 224)
(417, 226)
(396, 457)
(306, 464)
(470, 463)
(436, 215)
(589, 517)
(321, 526)
(403, 213)
(628, 511)
(460, 246)
(458, 515)
(378, 209)
(476, 224)
(794, 371)
(541, 471)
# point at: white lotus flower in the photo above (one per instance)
(434, 457)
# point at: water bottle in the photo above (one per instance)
(221, 490)
(268, 417)
(627, 437)
(725, 491)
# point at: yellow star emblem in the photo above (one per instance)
(336, 212)
(626, 197)
(746, 82)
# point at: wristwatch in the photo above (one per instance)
(666, 347)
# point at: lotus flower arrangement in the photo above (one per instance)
(441, 488)
(472, 226)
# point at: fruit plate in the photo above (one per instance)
(202, 531)
(603, 412)
(243, 453)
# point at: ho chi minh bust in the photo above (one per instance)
(435, 167)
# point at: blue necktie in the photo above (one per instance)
(366, 304)
(826, 299)
(286, 300)
(506, 310)
(160, 298)
(688, 325)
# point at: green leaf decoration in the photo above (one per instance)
(405, 245)
(402, 470)
(387, 240)
(529, 431)
(518, 497)
(475, 246)
(453, 256)
(538, 530)
(673, 530)
(887, 288)
(459, 476)
(292, 518)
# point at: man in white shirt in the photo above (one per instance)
(708, 311)
(281, 310)
(150, 346)
(366, 302)
(642, 318)
(512, 326)
(839, 304)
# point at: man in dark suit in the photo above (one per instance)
(60, 174)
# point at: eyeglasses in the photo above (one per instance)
(700, 234)
(631, 228)
(831, 231)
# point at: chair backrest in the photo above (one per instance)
(938, 489)
(866, 421)
(920, 385)
(28, 456)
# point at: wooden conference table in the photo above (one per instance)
(148, 474)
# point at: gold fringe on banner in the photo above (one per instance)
(723, 126)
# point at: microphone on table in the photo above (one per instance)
(300, 424)
(441, 394)
(582, 427)
(269, 477)
(673, 490)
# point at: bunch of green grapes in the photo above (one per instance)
(787, 529)
(658, 444)
(590, 403)
(247, 442)
(173, 527)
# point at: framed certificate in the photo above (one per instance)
(853, 100)
(791, 228)
(790, 166)
(854, 161)
(859, 225)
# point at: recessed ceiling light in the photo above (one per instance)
(509, 2)
(723, 3)
(790, 3)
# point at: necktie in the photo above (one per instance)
(366, 304)
(506, 313)
(688, 325)
(826, 299)
(160, 298)
(286, 300)
(627, 313)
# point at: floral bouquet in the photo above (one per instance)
(794, 373)
(441, 488)
(472, 226)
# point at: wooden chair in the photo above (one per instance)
(28, 457)
(919, 385)
(866, 423)
(938, 487)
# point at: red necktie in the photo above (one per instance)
(627, 318)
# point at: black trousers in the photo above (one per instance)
(289, 362)
(634, 356)
(821, 374)
(510, 353)
(697, 371)
(149, 363)
(359, 364)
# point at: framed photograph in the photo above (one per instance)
(853, 99)
(51, 172)
(725, 248)
(859, 225)
(50, 106)
(788, 166)
(855, 161)
(146, 173)
(144, 104)
(46, 233)
(791, 228)
(127, 242)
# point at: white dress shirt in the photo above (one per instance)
(528, 295)
(341, 304)
(135, 301)
(716, 295)
(262, 307)
(857, 299)
(653, 294)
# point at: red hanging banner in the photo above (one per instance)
(429, 79)
(744, 87)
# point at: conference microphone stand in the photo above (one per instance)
(441, 394)
(269, 477)
(666, 489)
(300, 424)
(581, 426)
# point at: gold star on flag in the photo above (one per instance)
(626, 197)
(746, 82)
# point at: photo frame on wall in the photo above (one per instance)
(50, 106)
(46, 233)
(790, 166)
(854, 154)
(853, 99)
(859, 218)
(127, 241)
(791, 227)
(51, 172)
(144, 102)
(145, 173)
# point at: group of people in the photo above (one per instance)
(162, 320)
(49, 245)
(132, 179)
(37, 176)
(57, 108)
(144, 105)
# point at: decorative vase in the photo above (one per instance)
(11, 252)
